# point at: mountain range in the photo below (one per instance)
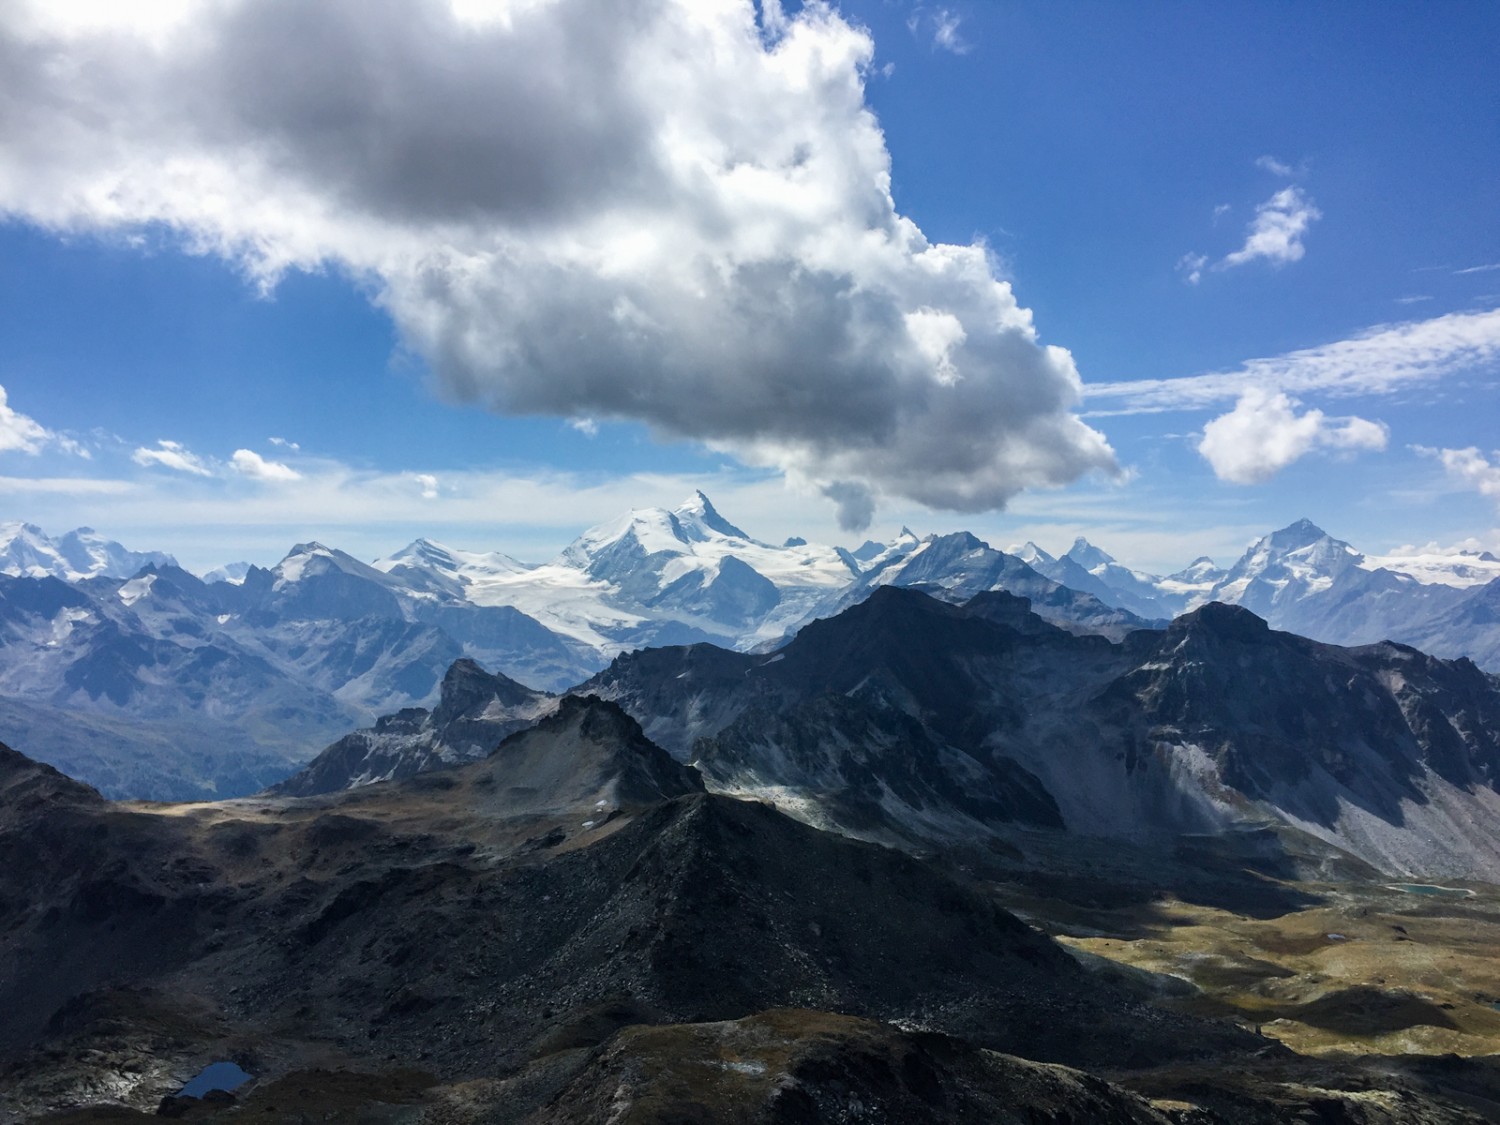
(124, 669)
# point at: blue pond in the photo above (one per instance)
(216, 1076)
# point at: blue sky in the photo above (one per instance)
(1282, 217)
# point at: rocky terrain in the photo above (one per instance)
(475, 710)
(910, 719)
(571, 927)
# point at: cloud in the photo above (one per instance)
(285, 444)
(1414, 299)
(19, 432)
(585, 426)
(854, 502)
(664, 211)
(1264, 434)
(428, 484)
(1191, 267)
(1275, 234)
(1469, 467)
(172, 455)
(251, 464)
(945, 32)
(1274, 166)
(1380, 360)
(1479, 269)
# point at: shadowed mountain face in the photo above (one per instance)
(567, 930)
(576, 880)
(910, 717)
(475, 711)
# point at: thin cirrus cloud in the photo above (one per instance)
(172, 455)
(1380, 360)
(674, 212)
(1265, 434)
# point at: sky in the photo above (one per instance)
(1166, 275)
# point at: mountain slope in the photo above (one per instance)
(913, 717)
(474, 712)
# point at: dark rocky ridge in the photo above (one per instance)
(533, 965)
(918, 719)
(475, 710)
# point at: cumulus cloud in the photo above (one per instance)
(1380, 360)
(248, 463)
(1264, 434)
(428, 484)
(1470, 467)
(1274, 166)
(20, 432)
(1275, 234)
(175, 456)
(668, 211)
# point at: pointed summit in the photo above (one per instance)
(1088, 556)
(697, 514)
(1295, 536)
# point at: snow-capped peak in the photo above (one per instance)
(26, 550)
(1088, 556)
(1030, 554)
(429, 555)
(314, 558)
(700, 520)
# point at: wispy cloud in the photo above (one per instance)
(1264, 434)
(1274, 166)
(21, 433)
(1414, 299)
(1380, 360)
(1478, 269)
(945, 32)
(172, 455)
(1191, 267)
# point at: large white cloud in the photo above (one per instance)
(1264, 434)
(668, 210)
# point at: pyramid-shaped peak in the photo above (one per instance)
(1088, 556)
(1296, 536)
(698, 512)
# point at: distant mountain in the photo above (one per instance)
(27, 551)
(251, 674)
(956, 567)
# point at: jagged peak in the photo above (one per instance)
(699, 510)
(1088, 556)
(1296, 535)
